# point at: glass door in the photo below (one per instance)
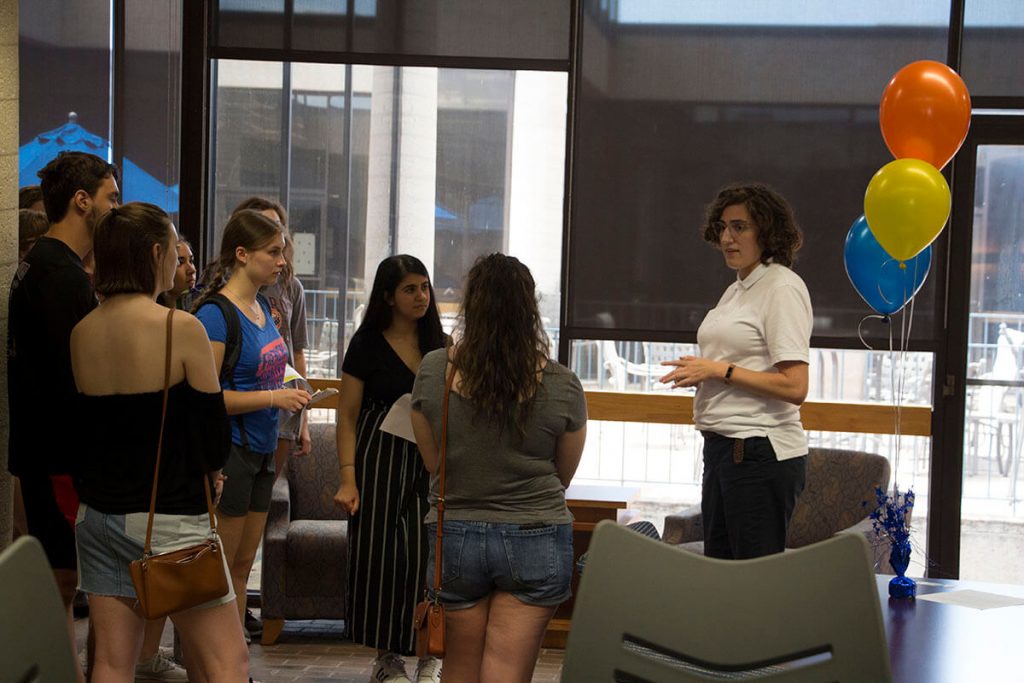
(992, 494)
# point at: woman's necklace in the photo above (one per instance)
(253, 306)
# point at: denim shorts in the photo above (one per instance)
(533, 562)
(250, 479)
(107, 544)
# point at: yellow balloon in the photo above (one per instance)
(906, 205)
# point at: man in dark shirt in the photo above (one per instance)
(50, 294)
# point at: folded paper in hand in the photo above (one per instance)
(398, 421)
(293, 423)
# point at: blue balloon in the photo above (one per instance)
(882, 281)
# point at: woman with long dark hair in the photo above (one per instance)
(516, 429)
(118, 356)
(383, 483)
(251, 256)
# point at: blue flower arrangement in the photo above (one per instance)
(889, 521)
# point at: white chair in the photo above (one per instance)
(34, 640)
(623, 373)
(647, 611)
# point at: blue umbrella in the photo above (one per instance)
(136, 184)
(443, 214)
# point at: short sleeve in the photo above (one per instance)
(788, 322)
(357, 357)
(213, 320)
(427, 378)
(576, 404)
(298, 321)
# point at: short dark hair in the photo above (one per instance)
(29, 195)
(67, 174)
(777, 230)
(123, 245)
(31, 226)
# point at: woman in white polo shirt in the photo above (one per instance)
(751, 376)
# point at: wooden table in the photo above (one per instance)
(588, 505)
(931, 642)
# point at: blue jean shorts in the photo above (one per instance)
(533, 562)
(107, 544)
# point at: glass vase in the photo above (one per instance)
(901, 586)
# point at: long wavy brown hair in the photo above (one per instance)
(503, 344)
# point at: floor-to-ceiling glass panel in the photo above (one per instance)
(992, 526)
(371, 161)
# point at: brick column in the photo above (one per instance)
(8, 225)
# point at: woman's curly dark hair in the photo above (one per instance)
(503, 344)
(778, 233)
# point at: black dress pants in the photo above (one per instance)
(747, 496)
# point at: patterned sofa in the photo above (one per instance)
(839, 494)
(305, 547)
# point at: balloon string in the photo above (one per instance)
(900, 374)
(860, 331)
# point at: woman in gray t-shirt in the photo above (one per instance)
(516, 428)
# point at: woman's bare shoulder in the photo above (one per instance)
(190, 329)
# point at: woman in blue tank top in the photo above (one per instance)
(251, 256)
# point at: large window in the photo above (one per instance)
(664, 461)
(103, 77)
(676, 100)
(371, 161)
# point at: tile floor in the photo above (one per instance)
(314, 652)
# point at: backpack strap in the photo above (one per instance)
(233, 342)
(232, 350)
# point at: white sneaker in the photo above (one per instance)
(389, 668)
(429, 670)
(160, 668)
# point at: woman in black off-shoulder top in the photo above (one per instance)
(118, 354)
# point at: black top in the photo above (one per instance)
(385, 376)
(50, 294)
(114, 472)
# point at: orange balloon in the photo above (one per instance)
(925, 113)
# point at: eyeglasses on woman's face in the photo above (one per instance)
(736, 227)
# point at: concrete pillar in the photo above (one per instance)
(8, 226)
(379, 167)
(538, 182)
(413, 138)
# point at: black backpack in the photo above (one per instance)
(232, 346)
(233, 342)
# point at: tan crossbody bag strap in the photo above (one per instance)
(440, 487)
(147, 549)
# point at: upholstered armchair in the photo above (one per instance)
(305, 547)
(839, 494)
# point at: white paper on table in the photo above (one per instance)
(974, 599)
(398, 421)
